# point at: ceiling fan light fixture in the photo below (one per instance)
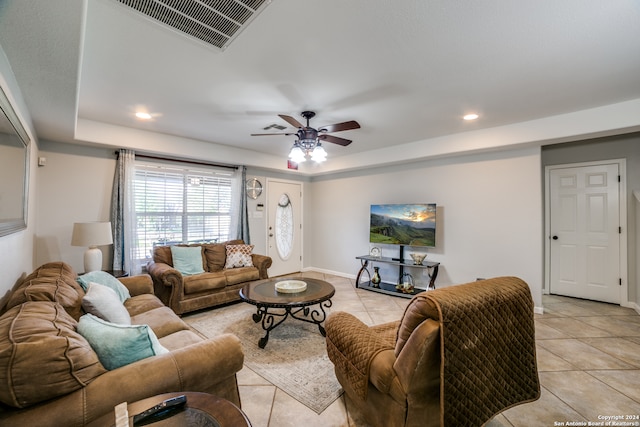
(307, 143)
(319, 155)
(296, 154)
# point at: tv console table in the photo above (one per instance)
(390, 288)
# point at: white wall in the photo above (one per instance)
(16, 250)
(489, 215)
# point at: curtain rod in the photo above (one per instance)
(192, 162)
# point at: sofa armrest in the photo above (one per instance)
(198, 367)
(262, 263)
(209, 366)
(167, 284)
(138, 285)
(351, 346)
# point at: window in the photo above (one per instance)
(176, 204)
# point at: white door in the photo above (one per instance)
(584, 226)
(284, 227)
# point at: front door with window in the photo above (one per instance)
(284, 227)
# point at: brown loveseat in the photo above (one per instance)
(217, 285)
(459, 356)
(51, 376)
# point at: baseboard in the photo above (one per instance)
(538, 310)
(333, 273)
(633, 305)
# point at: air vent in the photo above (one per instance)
(215, 22)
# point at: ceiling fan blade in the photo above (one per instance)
(340, 126)
(267, 134)
(293, 122)
(335, 140)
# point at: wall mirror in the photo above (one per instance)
(14, 169)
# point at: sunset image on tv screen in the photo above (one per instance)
(403, 224)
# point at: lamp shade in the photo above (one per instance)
(91, 234)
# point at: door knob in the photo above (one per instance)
(555, 237)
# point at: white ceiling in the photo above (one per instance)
(407, 71)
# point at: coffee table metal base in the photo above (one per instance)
(271, 320)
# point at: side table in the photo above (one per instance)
(201, 409)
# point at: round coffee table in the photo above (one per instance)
(264, 296)
(201, 409)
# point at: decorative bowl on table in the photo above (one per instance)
(418, 258)
(291, 286)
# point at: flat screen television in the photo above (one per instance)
(403, 224)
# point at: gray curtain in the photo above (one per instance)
(243, 223)
(120, 206)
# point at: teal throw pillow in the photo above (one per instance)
(187, 259)
(102, 301)
(105, 279)
(119, 345)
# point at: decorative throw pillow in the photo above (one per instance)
(187, 259)
(239, 256)
(105, 279)
(103, 302)
(119, 345)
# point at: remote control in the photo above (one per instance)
(160, 409)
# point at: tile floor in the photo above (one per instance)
(588, 360)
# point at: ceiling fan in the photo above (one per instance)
(309, 139)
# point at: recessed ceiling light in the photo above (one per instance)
(143, 116)
(472, 116)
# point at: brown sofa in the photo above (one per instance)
(459, 356)
(54, 378)
(216, 286)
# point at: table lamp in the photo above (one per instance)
(92, 234)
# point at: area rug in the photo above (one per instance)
(294, 360)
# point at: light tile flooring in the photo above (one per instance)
(588, 360)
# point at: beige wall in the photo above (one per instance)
(74, 186)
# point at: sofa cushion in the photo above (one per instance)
(103, 302)
(142, 303)
(239, 256)
(162, 255)
(180, 339)
(49, 287)
(204, 282)
(54, 269)
(241, 275)
(105, 279)
(163, 321)
(216, 254)
(119, 345)
(41, 354)
(187, 259)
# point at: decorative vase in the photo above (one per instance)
(417, 258)
(405, 284)
(375, 280)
